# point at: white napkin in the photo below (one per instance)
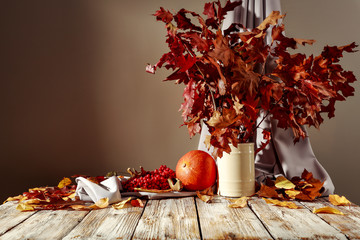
(111, 187)
(89, 191)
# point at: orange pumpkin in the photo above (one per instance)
(196, 170)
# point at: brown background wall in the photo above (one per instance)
(75, 98)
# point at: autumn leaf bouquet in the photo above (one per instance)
(227, 84)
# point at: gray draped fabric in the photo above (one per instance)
(281, 156)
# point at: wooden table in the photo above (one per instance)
(183, 218)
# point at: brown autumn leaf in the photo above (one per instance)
(238, 202)
(122, 204)
(339, 201)
(204, 197)
(327, 210)
(287, 204)
(291, 193)
(268, 191)
(272, 19)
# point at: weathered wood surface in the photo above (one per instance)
(183, 218)
(107, 223)
(10, 217)
(349, 223)
(218, 221)
(46, 224)
(169, 219)
(286, 223)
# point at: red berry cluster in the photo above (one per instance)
(156, 179)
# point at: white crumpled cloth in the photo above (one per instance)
(111, 188)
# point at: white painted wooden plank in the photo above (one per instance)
(169, 219)
(218, 221)
(285, 223)
(349, 224)
(10, 217)
(107, 223)
(46, 224)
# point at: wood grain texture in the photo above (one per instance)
(218, 221)
(10, 217)
(169, 219)
(285, 223)
(349, 224)
(46, 224)
(107, 223)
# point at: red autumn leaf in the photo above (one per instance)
(217, 67)
(137, 203)
(163, 15)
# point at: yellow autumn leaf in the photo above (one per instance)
(204, 197)
(283, 182)
(238, 202)
(80, 207)
(327, 210)
(292, 193)
(64, 182)
(287, 204)
(339, 201)
(102, 203)
(69, 197)
(121, 204)
(16, 198)
(24, 207)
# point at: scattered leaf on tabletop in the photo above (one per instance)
(327, 210)
(16, 198)
(102, 203)
(238, 202)
(267, 191)
(339, 201)
(203, 197)
(64, 182)
(208, 191)
(24, 207)
(121, 204)
(137, 203)
(287, 204)
(291, 193)
(177, 186)
(283, 182)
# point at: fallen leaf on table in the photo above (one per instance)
(292, 193)
(16, 198)
(137, 203)
(204, 197)
(339, 201)
(64, 182)
(327, 210)
(283, 182)
(238, 202)
(121, 204)
(24, 207)
(102, 203)
(287, 204)
(177, 186)
(267, 191)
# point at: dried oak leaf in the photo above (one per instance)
(122, 204)
(204, 197)
(339, 201)
(64, 182)
(287, 204)
(327, 210)
(238, 202)
(177, 186)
